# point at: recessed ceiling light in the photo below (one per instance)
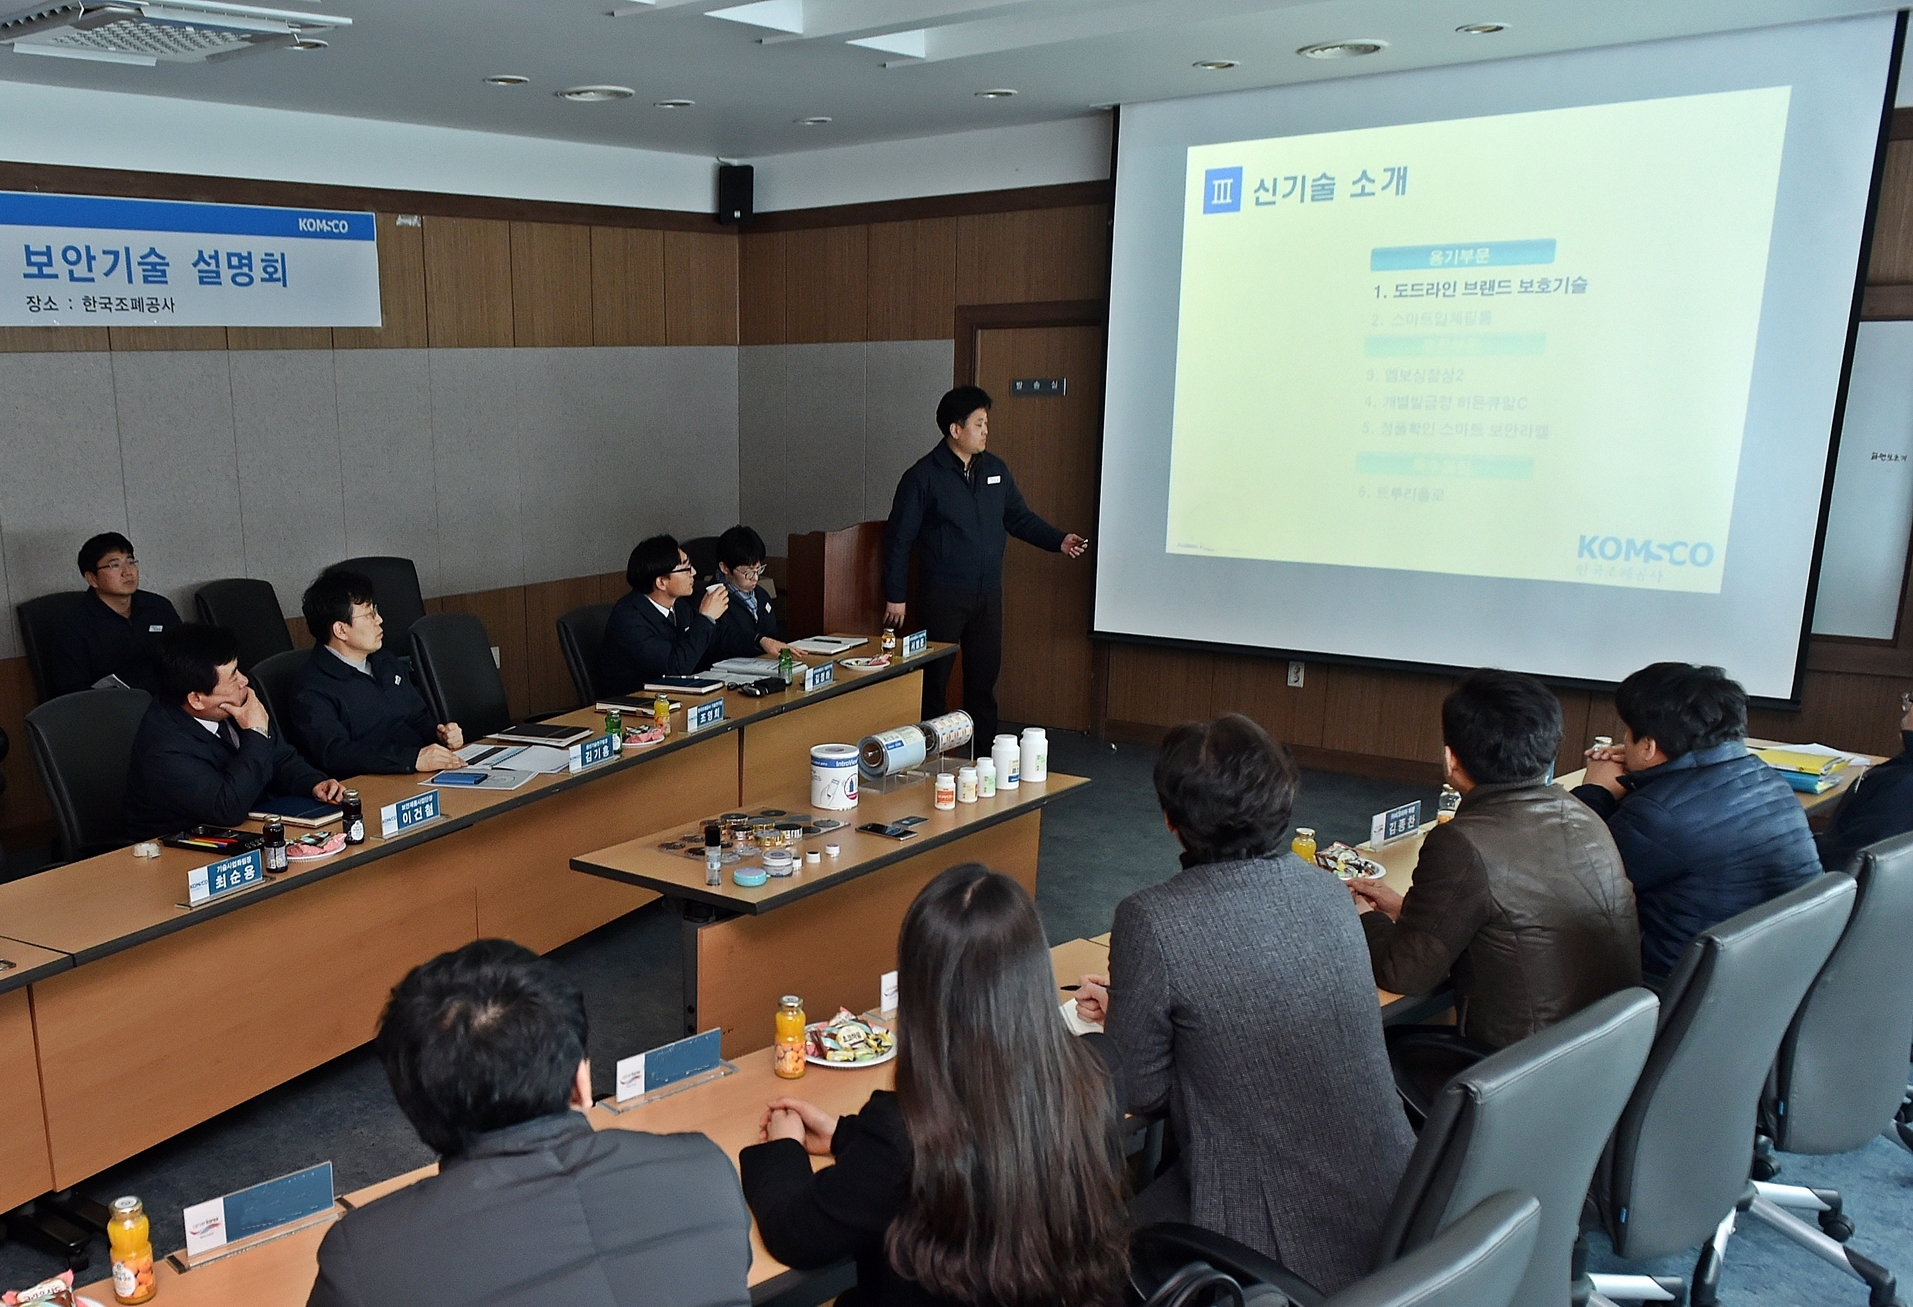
(308, 43)
(507, 79)
(596, 94)
(1481, 29)
(996, 93)
(1343, 49)
(1215, 65)
(817, 121)
(672, 104)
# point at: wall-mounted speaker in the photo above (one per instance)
(735, 183)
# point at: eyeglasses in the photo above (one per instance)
(685, 568)
(369, 613)
(750, 573)
(116, 566)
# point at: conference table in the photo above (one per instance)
(127, 1017)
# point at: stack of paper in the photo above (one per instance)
(1809, 768)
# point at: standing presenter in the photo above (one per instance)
(958, 503)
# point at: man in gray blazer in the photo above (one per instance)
(485, 1051)
(1240, 998)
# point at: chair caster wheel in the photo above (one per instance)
(1837, 1226)
(1765, 1168)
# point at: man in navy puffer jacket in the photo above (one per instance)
(1706, 830)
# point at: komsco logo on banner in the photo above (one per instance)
(1626, 549)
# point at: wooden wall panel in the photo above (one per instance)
(912, 285)
(1036, 254)
(401, 292)
(48, 340)
(1385, 714)
(467, 283)
(551, 284)
(761, 284)
(1892, 257)
(627, 286)
(827, 272)
(548, 683)
(136, 338)
(278, 338)
(700, 288)
(1160, 687)
(503, 613)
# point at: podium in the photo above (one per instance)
(836, 584)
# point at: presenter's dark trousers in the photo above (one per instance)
(976, 623)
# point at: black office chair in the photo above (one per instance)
(702, 551)
(41, 621)
(1677, 1169)
(82, 744)
(581, 637)
(1841, 1073)
(456, 671)
(1478, 1261)
(395, 586)
(272, 681)
(250, 610)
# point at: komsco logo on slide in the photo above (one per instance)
(1626, 549)
(338, 225)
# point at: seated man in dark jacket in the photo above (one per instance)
(650, 634)
(354, 709)
(1878, 806)
(749, 627)
(485, 1051)
(1522, 897)
(205, 751)
(114, 628)
(1705, 829)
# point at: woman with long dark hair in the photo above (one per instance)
(992, 1176)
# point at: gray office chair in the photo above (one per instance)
(41, 621)
(581, 638)
(272, 681)
(250, 610)
(83, 744)
(456, 671)
(1478, 1261)
(1678, 1166)
(1841, 1073)
(395, 586)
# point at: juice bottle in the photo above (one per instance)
(661, 713)
(1448, 805)
(130, 1237)
(1303, 845)
(788, 1059)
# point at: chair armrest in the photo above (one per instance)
(1168, 1245)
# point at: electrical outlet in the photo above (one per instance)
(497, 664)
(1295, 675)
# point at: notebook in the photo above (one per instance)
(296, 811)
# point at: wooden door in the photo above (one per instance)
(1052, 445)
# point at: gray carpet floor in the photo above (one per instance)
(1098, 846)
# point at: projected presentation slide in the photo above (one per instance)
(1513, 346)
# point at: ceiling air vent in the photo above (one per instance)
(150, 32)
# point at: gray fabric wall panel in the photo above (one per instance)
(680, 427)
(903, 380)
(478, 423)
(824, 460)
(385, 457)
(60, 451)
(182, 470)
(761, 437)
(291, 489)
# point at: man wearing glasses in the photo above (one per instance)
(650, 634)
(354, 708)
(750, 627)
(115, 629)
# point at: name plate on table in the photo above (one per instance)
(589, 753)
(700, 715)
(1387, 827)
(644, 1074)
(266, 1206)
(407, 813)
(206, 883)
(816, 678)
(915, 643)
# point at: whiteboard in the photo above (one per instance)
(1864, 560)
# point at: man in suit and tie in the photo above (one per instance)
(205, 751)
(650, 634)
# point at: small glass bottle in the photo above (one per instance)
(889, 641)
(275, 851)
(614, 727)
(661, 713)
(130, 1236)
(788, 1057)
(1448, 805)
(713, 854)
(1303, 845)
(786, 665)
(354, 818)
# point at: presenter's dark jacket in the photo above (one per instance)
(1523, 900)
(182, 774)
(810, 1220)
(739, 630)
(550, 1211)
(641, 643)
(959, 519)
(1878, 806)
(1704, 836)
(99, 642)
(352, 723)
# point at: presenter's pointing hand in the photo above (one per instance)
(1074, 545)
(893, 615)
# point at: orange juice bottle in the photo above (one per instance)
(1303, 845)
(130, 1237)
(788, 1059)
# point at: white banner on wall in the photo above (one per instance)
(82, 260)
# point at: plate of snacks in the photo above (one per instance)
(319, 844)
(1346, 863)
(56, 1292)
(640, 736)
(876, 664)
(847, 1041)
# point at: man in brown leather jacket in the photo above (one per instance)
(1521, 897)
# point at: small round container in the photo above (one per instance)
(833, 776)
(778, 862)
(748, 877)
(966, 785)
(946, 792)
(832, 850)
(986, 778)
(1033, 755)
(812, 857)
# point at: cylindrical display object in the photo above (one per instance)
(953, 730)
(889, 752)
(1008, 763)
(1033, 755)
(833, 776)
